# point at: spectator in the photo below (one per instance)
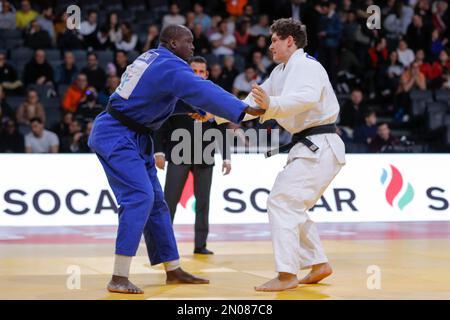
(201, 42)
(261, 63)
(418, 35)
(235, 7)
(25, 15)
(190, 20)
(229, 72)
(242, 33)
(379, 53)
(101, 41)
(437, 44)
(120, 64)
(352, 112)
(365, 133)
(405, 55)
(438, 69)
(75, 94)
(174, 16)
(7, 16)
(440, 16)
(349, 29)
(111, 84)
(424, 67)
(88, 29)
(38, 70)
(201, 17)
(412, 79)
(129, 40)
(30, 108)
(40, 140)
(397, 22)
(45, 20)
(68, 39)
(446, 80)
(393, 72)
(67, 140)
(89, 109)
(36, 38)
(262, 28)
(8, 76)
(330, 29)
(383, 141)
(114, 32)
(152, 39)
(62, 127)
(6, 113)
(11, 141)
(96, 76)
(67, 71)
(223, 43)
(245, 80)
(216, 75)
(80, 140)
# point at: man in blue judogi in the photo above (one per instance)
(146, 97)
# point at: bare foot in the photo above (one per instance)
(180, 276)
(284, 281)
(122, 285)
(318, 273)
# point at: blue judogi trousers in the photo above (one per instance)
(131, 173)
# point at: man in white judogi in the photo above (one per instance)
(298, 94)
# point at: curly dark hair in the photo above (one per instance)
(290, 27)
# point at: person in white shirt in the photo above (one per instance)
(405, 55)
(129, 40)
(223, 43)
(245, 80)
(40, 140)
(299, 96)
(174, 17)
(89, 26)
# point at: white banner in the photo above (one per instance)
(61, 190)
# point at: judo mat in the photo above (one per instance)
(407, 260)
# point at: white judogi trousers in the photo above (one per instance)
(295, 239)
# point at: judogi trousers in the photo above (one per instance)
(295, 239)
(131, 173)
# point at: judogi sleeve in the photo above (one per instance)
(303, 89)
(204, 94)
(266, 86)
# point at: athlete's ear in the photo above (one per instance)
(290, 41)
(173, 43)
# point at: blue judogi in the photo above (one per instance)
(148, 94)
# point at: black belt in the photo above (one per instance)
(131, 124)
(301, 137)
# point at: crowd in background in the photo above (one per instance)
(54, 80)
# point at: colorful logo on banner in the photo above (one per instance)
(187, 199)
(395, 186)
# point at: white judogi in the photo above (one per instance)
(301, 96)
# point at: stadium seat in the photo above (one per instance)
(104, 57)
(11, 34)
(80, 58)
(136, 5)
(50, 103)
(435, 115)
(443, 96)
(22, 54)
(13, 43)
(15, 101)
(447, 136)
(419, 100)
(52, 55)
(52, 117)
(132, 55)
(112, 5)
(62, 88)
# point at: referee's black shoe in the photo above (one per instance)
(202, 251)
